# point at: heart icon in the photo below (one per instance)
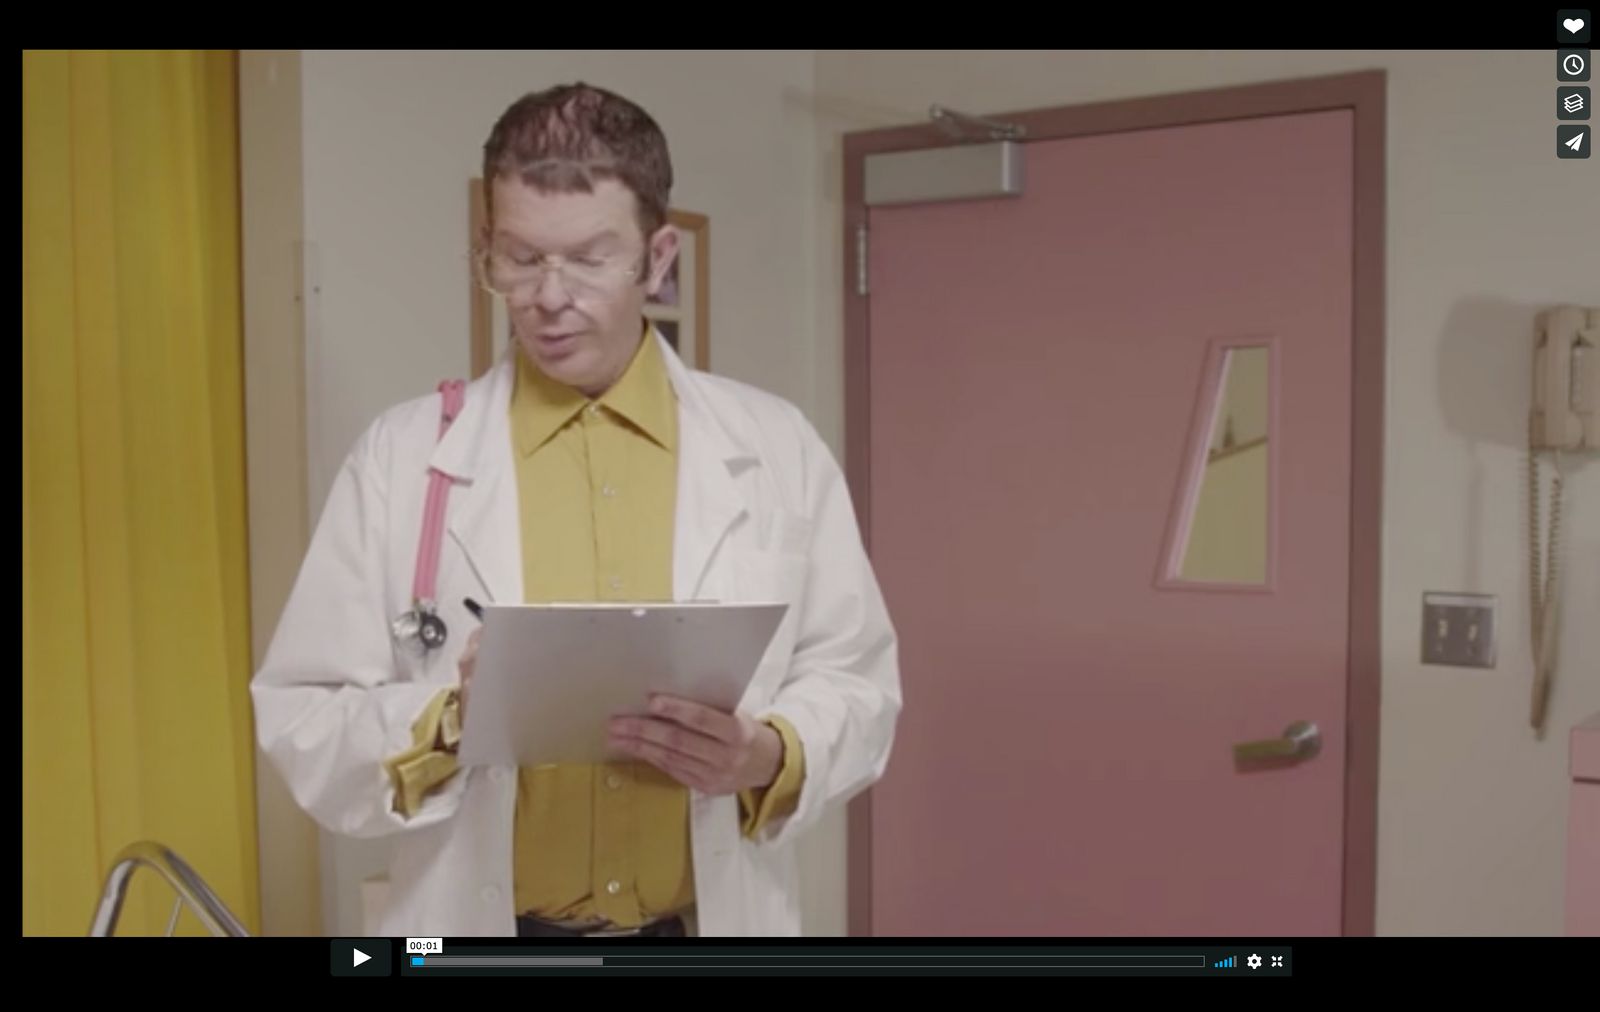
(1573, 25)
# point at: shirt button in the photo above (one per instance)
(593, 409)
(613, 781)
(613, 887)
(616, 583)
(490, 894)
(608, 491)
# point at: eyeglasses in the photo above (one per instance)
(506, 274)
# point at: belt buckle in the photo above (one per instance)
(608, 930)
(600, 928)
(580, 928)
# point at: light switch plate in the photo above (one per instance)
(1458, 630)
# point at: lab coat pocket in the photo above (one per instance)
(789, 534)
(773, 577)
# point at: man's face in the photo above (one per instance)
(580, 324)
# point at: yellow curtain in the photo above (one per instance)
(135, 619)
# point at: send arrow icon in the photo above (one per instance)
(1572, 142)
(360, 957)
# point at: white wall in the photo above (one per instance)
(275, 451)
(1485, 226)
(390, 140)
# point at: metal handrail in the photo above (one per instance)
(184, 880)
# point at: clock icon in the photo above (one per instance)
(1572, 64)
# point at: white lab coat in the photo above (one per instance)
(763, 513)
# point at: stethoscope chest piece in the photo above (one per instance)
(433, 632)
(420, 628)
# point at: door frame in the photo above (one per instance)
(1364, 94)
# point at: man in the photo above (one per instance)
(589, 464)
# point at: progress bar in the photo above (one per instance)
(569, 959)
(723, 961)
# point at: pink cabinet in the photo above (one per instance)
(1583, 831)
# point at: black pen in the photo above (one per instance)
(475, 608)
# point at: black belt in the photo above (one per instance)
(532, 927)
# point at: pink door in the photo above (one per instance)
(1110, 466)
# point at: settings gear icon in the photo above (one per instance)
(1254, 961)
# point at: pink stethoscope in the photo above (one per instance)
(420, 627)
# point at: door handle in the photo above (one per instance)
(1301, 740)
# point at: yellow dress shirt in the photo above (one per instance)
(597, 491)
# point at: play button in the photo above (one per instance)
(362, 957)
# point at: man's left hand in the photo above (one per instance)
(703, 748)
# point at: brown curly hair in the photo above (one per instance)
(566, 138)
